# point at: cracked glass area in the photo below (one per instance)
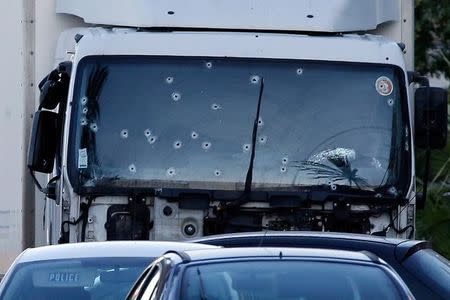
(188, 123)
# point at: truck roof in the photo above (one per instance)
(284, 15)
(364, 48)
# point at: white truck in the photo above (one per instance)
(170, 120)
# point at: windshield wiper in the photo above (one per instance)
(249, 178)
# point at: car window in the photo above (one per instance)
(80, 279)
(286, 280)
(432, 268)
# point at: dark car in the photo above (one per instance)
(269, 273)
(426, 273)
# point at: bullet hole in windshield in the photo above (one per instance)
(260, 122)
(132, 168)
(177, 144)
(124, 133)
(246, 147)
(176, 96)
(209, 65)
(390, 101)
(152, 139)
(283, 169)
(333, 187)
(83, 122)
(147, 133)
(171, 172)
(85, 110)
(263, 139)
(169, 79)
(94, 127)
(194, 135)
(217, 172)
(84, 100)
(206, 145)
(254, 79)
(215, 106)
(299, 71)
(285, 160)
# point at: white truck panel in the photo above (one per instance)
(365, 48)
(15, 84)
(48, 28)
(295, 15)
(29, 30)
(402, 31)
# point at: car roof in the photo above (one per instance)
(311, 234)
(106, 249)
(275, 252)
(384, 247)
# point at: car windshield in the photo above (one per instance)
(301, 280)
(74, 279)
(188, 123)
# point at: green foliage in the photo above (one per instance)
(433, 223)
(432, 49)
(432, 56)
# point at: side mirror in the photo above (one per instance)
(436, 107)
(43, 141)
(55, 86)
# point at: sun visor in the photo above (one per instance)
(285, 15)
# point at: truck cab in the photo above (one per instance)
(175, 121)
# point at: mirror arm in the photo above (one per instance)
(36, 182)
(50, 190)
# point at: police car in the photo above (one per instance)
(94, 271)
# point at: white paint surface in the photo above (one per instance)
(297, 15)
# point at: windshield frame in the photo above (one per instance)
(396, 280)
(405, 165)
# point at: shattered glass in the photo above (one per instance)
(187, 122)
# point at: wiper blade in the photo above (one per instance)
(249, 177)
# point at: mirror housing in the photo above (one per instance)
(54, 87)
(43, 141)
(435, 105)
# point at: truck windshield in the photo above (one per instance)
(187, 123)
